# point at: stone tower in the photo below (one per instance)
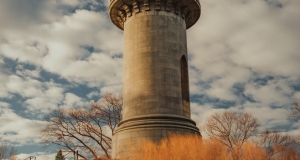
(156, 85)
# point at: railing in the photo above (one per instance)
(31, 158)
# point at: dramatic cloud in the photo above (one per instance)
(18, 130)
(243, 56)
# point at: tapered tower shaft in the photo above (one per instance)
(156, 86)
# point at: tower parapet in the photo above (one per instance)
(121, 10)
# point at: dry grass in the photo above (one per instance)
(177, 147)
(253, 152)
(192, 147)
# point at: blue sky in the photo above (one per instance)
(243, 56)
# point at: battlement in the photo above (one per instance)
(121, 10)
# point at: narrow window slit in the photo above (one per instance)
(184, 80)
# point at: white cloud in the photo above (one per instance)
(16, 129)
(25, 87)
(114, 89)
(39, 96)
(59, 46)
(4, 104)
(73, 101)
(81, 3)
(268, 117)
(92, 94)
(3, 80)
(274, 92)
(98, 68)
(24, 51)
(28, 88)
(74, 62)
(236, 42)
(21, 15)
(28, 73)
(71, 2)
(297, 96)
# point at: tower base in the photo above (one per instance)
(150, 127)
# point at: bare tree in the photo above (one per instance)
(87, 130)
(3, 150)
(6, 152)
(12, 153)
(278, 144)
(232, 129)
(295, 110)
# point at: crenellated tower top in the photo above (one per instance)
(121, 10)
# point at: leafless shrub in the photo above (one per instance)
(278, 145)
(6, 152)
(85, 129)
(232, 129)
(295, 110)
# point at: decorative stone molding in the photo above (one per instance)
(120, 21)
(135, 7)
(169, 5)
(127, 10)
(185, 11)
(178, 7)
(146, 5)
(121, 14)
(156, 121)
(157, 5)
(188, 17)
(121, 10)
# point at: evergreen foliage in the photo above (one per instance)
(59, 156)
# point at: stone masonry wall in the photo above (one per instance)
(154, 44)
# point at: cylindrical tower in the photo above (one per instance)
(156, 86)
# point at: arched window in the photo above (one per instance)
(184, 80)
